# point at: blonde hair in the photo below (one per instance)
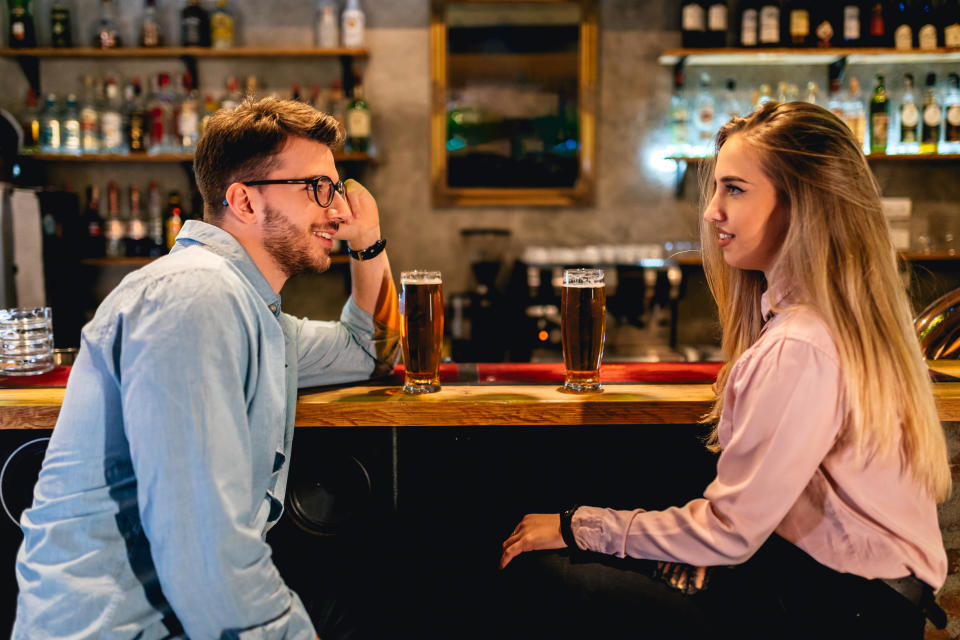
(241, 144)
(838, 259)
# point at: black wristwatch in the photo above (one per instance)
(370, 252)
(566, 530)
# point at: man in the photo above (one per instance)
(169, 461)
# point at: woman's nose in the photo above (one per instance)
(712, 212)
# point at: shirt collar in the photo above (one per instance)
(215, 239)
(775, 297)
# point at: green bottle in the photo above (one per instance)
(879, 118)
(21, 32)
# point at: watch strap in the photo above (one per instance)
(566, 527)
(370, 252)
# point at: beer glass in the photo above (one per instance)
(583, 310)
(26, 341)
(421, 331)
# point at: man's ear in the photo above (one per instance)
(240, 203)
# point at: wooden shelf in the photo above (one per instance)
(893, 157)
(134, 158)
(906, 256)
(798, 57)
(176, 52)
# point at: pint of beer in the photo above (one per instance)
(583, 310)
(421, 332)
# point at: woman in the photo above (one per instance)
(832, 457)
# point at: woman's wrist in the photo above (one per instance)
(566, 527)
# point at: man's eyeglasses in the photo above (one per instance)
(323, 187)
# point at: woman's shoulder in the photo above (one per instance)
(798, 326)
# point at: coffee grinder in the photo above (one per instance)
(477, 317)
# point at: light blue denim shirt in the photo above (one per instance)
(168, 463)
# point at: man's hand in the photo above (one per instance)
(536, 531)
(360, 225)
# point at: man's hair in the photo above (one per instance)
(241, 144)
(837, 259)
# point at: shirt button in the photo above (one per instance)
(273, 308)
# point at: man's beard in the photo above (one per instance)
(293, 250)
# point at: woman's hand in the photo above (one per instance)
(536, 531)
(684, 577)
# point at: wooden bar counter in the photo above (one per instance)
(485, 395)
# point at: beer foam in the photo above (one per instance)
(584, 285)
(423, 281)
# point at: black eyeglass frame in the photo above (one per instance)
(315, 182)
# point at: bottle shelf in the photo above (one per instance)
(798, 57)
(135, 158)
(907, 256)
(176, 52)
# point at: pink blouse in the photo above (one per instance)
(782, 470)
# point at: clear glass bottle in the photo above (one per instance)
(111, 118)
(951, 119)
(909, 118)
(679, 117)
(89, 117)
(704, 110)
(70, 127)
(932, 117)
(106, 33)
(222, 26)
(156, 240)
(233, 96)
(854, 113)
(151, 35)
(160, 114)
(115, 229)
(188, 116)
(137, 243)
(354, 24)
(326, 28)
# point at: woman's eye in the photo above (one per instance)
(733, 189)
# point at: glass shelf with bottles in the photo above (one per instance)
(811, 31)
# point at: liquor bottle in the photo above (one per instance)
(717, 20)
(111, 118)
(251, 91)
(932, 117)
(135, 118)
(89, 118)
(20, 27)
(295, 94)
(879, 118)
(827, 25)
(137, 245)
(909, 118)
(951, 24)
(160, 114)
(749, 23)
(233, 98)
(30, 122)
(358, 121)
(768, 29)
(70, 127)
(194, 25)
(852, 25)
(188, 116)
(903, 25)
(835, 102)
(813, 93)
(733, 106)
(94, 245)
(951, 104)
(679, 116)
(854, 113)
(210, 106)
(878, 34)
(174, 218)
(693, 23)
(222, 25)
(764, 95)
(326, 32)
(156, 241)
(338, 104)
(50, 126)
(797, 23)
(106, 33)
(704, 109)
(61, 27)
(150, 33)
(353, 24)
(926, 26)
(115, 231)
